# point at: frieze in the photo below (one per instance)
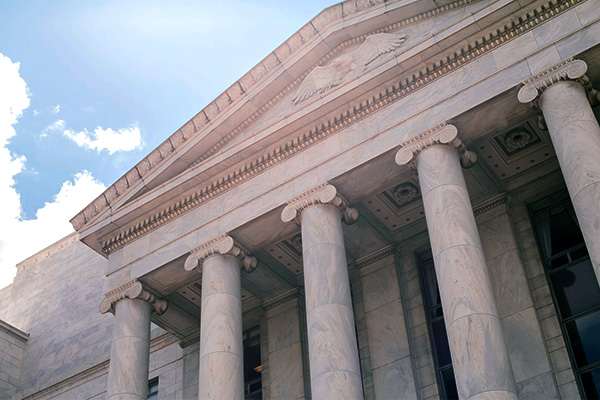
(354, 113)
(133, 289)
(221, 245)
(322, 194)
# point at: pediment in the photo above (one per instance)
(330, 72)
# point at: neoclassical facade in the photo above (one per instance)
(402, 201)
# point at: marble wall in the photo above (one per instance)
(530, 363)
(12, 345)
(286, 374)
(388, 339)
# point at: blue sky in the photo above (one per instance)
(87, 88)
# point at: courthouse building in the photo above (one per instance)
(402, 201)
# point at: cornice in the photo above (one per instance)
(221, 245)
(440, 134)
(281, 299)
(133, 289)
(374, 257)
(185, 342)
(321, 194)
(359, 110)
(502, 198)
(230, 97)
(50, 250)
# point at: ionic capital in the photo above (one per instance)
(221, 245)
(322, 194)
(567, 70)
(440, 134)
(133, 289)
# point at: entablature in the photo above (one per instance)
(395, 78)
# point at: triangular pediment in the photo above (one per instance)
(335, 66)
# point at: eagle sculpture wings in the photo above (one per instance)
(348, 65)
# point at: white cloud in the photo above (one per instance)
(53, 127)
(56, 109)
(124, 139)
(20, 239)
(36, 113)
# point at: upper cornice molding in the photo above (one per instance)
(322, 194)
(221, 245)
(255, 77)
(405, 85)
(568, 69)
(282, 298)
(133, 289)
(440, 134)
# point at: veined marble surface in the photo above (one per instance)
(221, 350)
(332, 346)
(480, 357)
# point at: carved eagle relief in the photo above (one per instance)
(348, 65)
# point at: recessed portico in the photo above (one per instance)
(194, 218)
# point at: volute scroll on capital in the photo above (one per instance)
(134, 290)
(322, 194)
(566, 70)
(221, 245)
(440, 134)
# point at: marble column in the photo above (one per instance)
(132, 305)
(563, 94)
(332, 345)
(479, 353)
(221, 366)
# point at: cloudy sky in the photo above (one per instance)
(87, 88)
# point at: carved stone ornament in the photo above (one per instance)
(441, 134)
(322, 194)
(517, 139)
(568, 69)
(405, 193)
(221, 245)
(133, 290)
(565, 70)
(348, 65)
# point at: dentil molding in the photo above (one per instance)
(134, 290)
(221, 245)
(440, 134)
(322, 194)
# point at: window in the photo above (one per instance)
(573, 285)
(153, 389)
(437, 327)
(252, 365)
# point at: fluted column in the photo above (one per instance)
(132, 305)
(563, 94)
(479, 353)
(332, 345)
(221, 366)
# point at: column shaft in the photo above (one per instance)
(130, 351)
(221, 351)
(333, 352)
(479, 354)
(575, 135)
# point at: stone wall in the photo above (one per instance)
(55, 299)
(12, 345)
(522, 333)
